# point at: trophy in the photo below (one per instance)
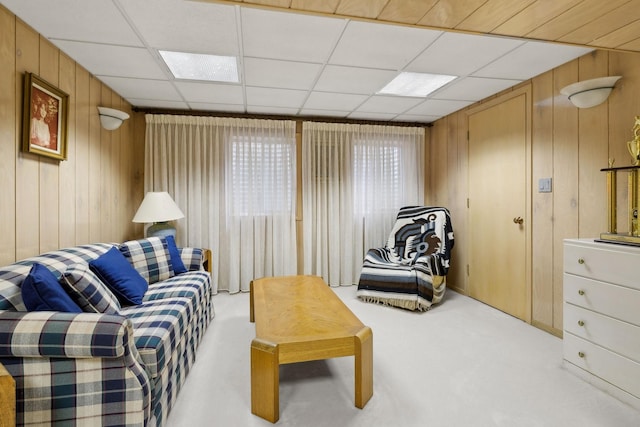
(632, 236)
(634, 145)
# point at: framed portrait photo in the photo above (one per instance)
(44, 118)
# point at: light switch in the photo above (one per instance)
(544, 185)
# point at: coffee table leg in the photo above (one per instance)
(364, 366)
(251, 314)
(265, 380)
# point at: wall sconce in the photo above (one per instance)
(590, 93)
(159, 208)
(110, 118)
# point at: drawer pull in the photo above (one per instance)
(580, 261)
(581, 355)
(580, 323)
(580, 292)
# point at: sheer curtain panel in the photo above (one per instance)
(355, 178)
(234, 179)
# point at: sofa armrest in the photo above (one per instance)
(68, 335)
(193, 258)
(47, 352)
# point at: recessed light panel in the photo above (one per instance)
(197, 66)
(415, 84)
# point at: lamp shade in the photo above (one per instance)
(589, 93)
(157, 206)
(110, 118)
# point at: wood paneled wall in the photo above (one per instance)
(92, 196)
(569, 145)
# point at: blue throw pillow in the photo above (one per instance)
(176, 261)
(118, 274)
(42, 292)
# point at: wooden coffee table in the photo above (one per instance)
(298, 319)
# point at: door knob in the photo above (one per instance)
(518, 220)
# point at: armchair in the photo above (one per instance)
(410, 270)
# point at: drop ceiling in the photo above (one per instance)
(294, 64)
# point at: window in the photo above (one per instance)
(262, 176)
(377, 171)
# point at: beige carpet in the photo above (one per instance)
(461, 364)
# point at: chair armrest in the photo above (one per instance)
(437, 264)
(68, 335)
(382, 256)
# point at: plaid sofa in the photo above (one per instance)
(120, 369)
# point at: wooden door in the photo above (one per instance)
(498, 219)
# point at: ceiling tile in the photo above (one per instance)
(334, 101)
(473, 88)
(287, 74)
(323, 113)
(211, 27)
(388, 47)
(388, 104)
(211, 92)
(289, 36)
(211, 106)
(372, 116)
(96, 21)
(261, 109)
(259, 96)
(438, 107)
(107, 60)
(139, 88)
(415, 118)
(364, 81)
(530, 59)
(461, 54)
(154, 103)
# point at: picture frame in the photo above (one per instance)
(44, 118)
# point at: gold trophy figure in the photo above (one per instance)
(634, 145)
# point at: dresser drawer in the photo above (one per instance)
(603, 261)
(609, 366)
(615, 335)
(615, 301)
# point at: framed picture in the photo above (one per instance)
(44, 118)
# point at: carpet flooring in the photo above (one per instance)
(461, 364)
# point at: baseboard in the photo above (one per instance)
(547, 328)
(603, 385)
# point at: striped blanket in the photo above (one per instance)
(409, 271)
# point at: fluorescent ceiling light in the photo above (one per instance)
(415, 84)
(197, 66)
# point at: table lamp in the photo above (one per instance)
(158, 207)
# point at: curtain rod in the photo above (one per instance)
(146, 110)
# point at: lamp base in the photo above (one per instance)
(161, 229)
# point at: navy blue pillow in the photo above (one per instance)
(174, 254)
(119, 275)
(41, 291)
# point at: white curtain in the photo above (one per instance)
(234, 179)
(355, 178)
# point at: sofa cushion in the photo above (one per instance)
(42, 292)
(174, 253)
(159, 328)
(118, 274)
(150, 257)
(194, 285)
(88, 291)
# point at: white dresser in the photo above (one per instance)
(601, 338)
